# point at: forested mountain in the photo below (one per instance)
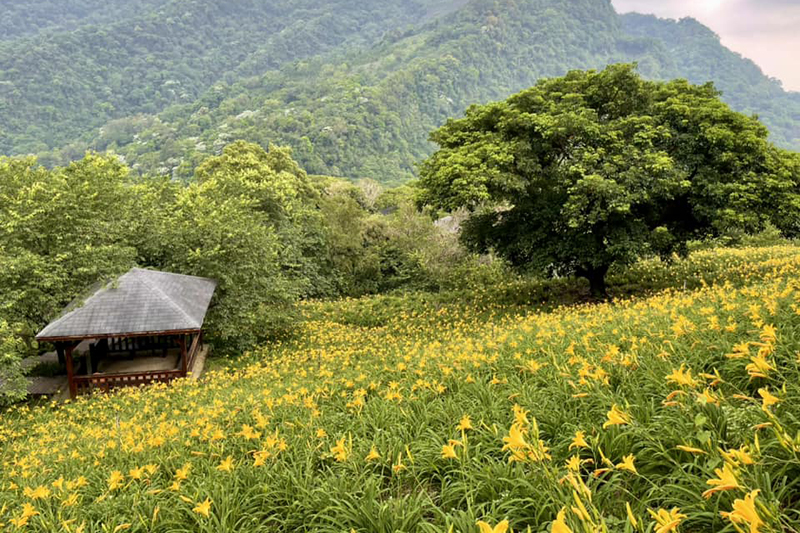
(23, 17)
(353, 87)
(58, 84)
(690, 50)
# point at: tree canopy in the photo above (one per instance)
(593, 169)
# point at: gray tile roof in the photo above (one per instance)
(140, 301)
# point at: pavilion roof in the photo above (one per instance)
(138, 302)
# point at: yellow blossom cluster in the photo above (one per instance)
(683, 404)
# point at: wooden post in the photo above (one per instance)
(184, 362)
(73, 391)
(60, 353)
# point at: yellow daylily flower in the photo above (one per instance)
(744, 512)
(520, 415)
(616, 417)
(260, 457)
(759, 367)
(115, 480)
(249, 433)
(449, 452)
(627, 464)
(560, 523)
(399, 466)
(501, 527)
(682, 377)
(579, 441)
(203, 508)
(183, 472)
(340, 451)
(725, 480)
(767, 398)
(38, 493)
(741, 456)
(28, 511)
(667, 521)
(70, 500)
(226, 465)
(515, 442)
(707, 397)
(690, 449)
(574, 463)
(373, 455)
(631, 516)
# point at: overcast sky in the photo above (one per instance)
(766, 31)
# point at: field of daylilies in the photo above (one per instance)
(679, 411)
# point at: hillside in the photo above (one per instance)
(681, 408)
(353, 88)
(70, 71)
(689, 50)
(21, 18)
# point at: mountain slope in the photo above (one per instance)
(20, 18)
(369, 114)
(687, 49)
(57, 83)
(354, 88)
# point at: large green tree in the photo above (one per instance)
(593, 169)
(60, 231)
(250, 221)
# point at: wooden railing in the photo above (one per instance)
(133, 345)
(107, 382)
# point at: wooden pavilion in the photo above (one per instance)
(144, 327)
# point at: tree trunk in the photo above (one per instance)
(597, 280)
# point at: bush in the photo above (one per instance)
(13, 385)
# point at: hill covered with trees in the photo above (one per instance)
(65, 72)
(354, 88)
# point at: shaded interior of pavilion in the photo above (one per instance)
(112, 362)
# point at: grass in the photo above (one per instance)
(358, 423)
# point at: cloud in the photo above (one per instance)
(766, 31)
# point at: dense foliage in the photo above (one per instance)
(677, 409)
(21, 18)
(687, 49)
(594, 169)
(252, 219)
(373, 373)
(122, 58)
(353, 87)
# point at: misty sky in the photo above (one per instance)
(766, 31)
